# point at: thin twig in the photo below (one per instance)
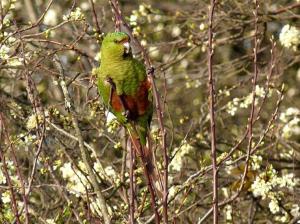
(98, 29)
(211, 85)
(132, 187)
(8, 179)
(254, 81)
(19, 174)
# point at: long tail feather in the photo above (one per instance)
(148, 166)
(146, 156)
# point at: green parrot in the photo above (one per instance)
(125, 88)
(126, 91)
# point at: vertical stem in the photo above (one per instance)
(254, 81)
(13, 202)
(211, 86)
(132, 193)
(98, 29)
(163, 141)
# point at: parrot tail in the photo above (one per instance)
(149, 169)
(146, 156)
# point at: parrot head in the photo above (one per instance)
(115, 45)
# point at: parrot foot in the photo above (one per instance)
(150, 71)
(126, 114)
(110, 81)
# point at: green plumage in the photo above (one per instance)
(127, 75)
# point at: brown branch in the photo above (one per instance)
(7, 177)
(132, 187)
(98, 29)
(211, 86)
(19, 174)
(281, 10)
(254, 81)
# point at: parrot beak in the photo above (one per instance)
(127, 47)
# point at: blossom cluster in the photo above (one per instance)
(77, 182)
(75, 15)
(77, 178)
(289, 37)
(270, 186)
(179, 156)
(244, 102)
(290, 119)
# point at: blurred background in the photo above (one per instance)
(48, 45)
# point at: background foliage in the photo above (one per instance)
(48, 50)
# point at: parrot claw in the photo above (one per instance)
(126, 114)
(110, 81)
(150, 71)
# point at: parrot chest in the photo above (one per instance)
(136, 104)
(123, 76)
(128, 92)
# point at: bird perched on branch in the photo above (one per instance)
(126, 91)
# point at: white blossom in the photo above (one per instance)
(273, 206)
(179, 154)
(51, 17)
(291, 122)
(5, 197)
(259, 91)
(295, 211)
(287, 180)
(110, 117)
(67, 171)
(85, 6)
(202, 26)
(143, 10)
(291, 111)
(76, 15)
(4, 52)
(176, 31)
(268, 183)
(15, 61)
(289, 37)
(77, 182)
(133, 20)
(2, 177)
(228, 213)
(261, 188)
(172, 191)
(32, 121)
(50, 221)
(256, 162)
(98, 56)
(10, 3)
(159, 27)
(109, 170)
